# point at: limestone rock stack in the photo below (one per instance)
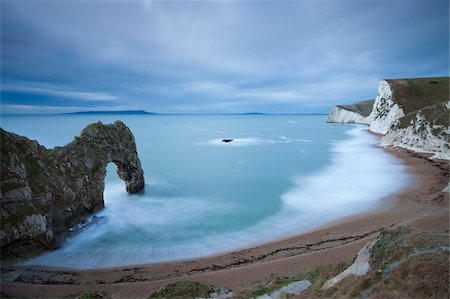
(45, 192)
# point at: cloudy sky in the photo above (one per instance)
(213, 56)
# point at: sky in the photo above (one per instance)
(213, 56)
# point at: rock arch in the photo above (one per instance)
(45, 192)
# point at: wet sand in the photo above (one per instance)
(421, 204)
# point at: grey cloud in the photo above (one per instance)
(226, 55)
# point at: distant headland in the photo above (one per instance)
(112, 112)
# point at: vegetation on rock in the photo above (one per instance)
(364, 108)
(182, 290)
(405, 263)
(46, 192)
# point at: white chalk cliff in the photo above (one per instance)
(385, 111)
(410, 113)
(341, 115)
(421, 133)
(358, 113)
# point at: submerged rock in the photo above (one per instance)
(46, 192)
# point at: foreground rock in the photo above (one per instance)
(358, 113)
(46, 192)
(294, 288)
(359, 267)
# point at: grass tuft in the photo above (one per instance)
(86, 295)
(183, 289)
(388, 246)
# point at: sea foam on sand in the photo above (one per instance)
(359, 175)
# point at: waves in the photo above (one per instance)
(252, 141)
(359, 176)
(167, 223)
(135, 230)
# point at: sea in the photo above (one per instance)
(282, 175)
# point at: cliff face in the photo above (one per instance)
(357, 113)
(410, 113)
(425, 130)
(385, 109)
(413, 114)
(46, 192)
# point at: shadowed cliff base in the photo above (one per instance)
(44, 192)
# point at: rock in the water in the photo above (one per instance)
(227, 140)
(46, 192)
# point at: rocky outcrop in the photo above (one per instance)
(425, 130)
(293, 289)
(359, 267)
(410, 113)
(413, 114)
(46, 192)
(356, 113)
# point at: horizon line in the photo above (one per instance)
(155, 113)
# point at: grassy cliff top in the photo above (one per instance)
(364, 107)
(416, 93)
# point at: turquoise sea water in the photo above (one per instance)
(282, 175)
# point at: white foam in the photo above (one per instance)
(238, 142)
(150, 229)
(358, 177)
(124, 236)
(252, 141)
(211, 131)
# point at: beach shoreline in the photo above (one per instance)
(421, 204)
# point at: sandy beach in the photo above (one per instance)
(421, 205)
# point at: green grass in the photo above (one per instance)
(419, 276)
(85, 295)
(317, 276)
(397, 270)
(183, 289)
(364, 107)
(435, 115)
(405, 263)
(22, 211)
(9, 185)
(416, 93)
(7, 296)
(24, 148)
(432, 90)
(390, 245)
